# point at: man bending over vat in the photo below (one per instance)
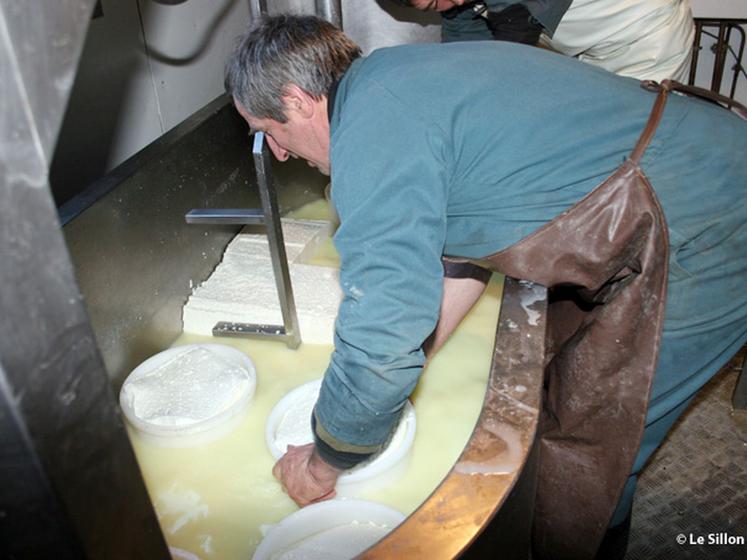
(625, 199)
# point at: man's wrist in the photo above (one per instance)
(323, 472)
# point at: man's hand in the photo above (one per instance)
(305, 476)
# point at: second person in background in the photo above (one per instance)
(643, 39)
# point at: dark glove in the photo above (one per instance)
(514, 24)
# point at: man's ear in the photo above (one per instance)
(297, 100)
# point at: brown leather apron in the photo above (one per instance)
(605, 261)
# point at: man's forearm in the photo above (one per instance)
(464, 283)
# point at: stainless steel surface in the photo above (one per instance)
(370, 23)
(34, 522)
(41, 47)
(331, 10)
(496, 468)
(380, 23)
(276, 7)
(71, 487)
(267, 194)
(257, 8)
(235, 216)
(136, 260)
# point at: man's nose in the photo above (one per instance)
(280, 153)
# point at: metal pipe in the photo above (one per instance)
(234, 216)
(739, 58)
(720, 50)
(331, 10)
(696, 52)
(257, 8)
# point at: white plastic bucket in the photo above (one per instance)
(349, 526)
(378, 472)
(223, 413)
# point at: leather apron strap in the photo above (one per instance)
(653, 121)
(694, 91)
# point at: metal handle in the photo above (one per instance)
(239, 216)
(269, 215)
(275, 238)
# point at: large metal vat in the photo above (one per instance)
(136, 261)
(81, 307)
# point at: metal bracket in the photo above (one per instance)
(236, 216)
(269, 215)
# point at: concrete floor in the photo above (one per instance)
(696, 483)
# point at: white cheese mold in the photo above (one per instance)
(189, 395)
(332, 530)
(290, 423)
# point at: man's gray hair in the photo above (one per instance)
(277, 51)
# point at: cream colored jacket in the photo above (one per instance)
(645, 39)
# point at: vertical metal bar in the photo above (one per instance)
(739, 58)
(257, 8)
(696, 52)
(718, 64)
(275, 238)
(727, 41)
(331, 10)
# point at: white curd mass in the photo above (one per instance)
(190, 388)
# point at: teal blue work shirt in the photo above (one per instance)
(463, 149)
(468, 26)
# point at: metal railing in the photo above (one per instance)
(722, 30)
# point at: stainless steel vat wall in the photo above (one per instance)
(136, 260)
(71, 487)
(370, 23)
(380, 23)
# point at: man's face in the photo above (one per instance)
(293, 138)
(438, 5)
